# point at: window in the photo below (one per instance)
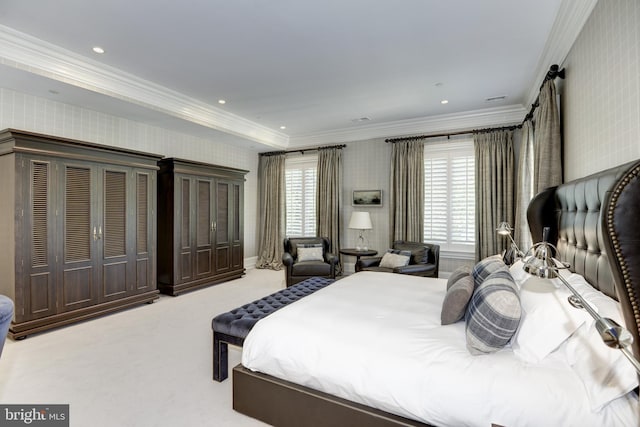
(300, 195)
(449, 195)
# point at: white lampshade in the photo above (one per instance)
(360, 221)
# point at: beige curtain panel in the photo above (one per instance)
(329, 195)
(271, 214)
(494, 189)
(524, 187)
(548, 143)
(407, 191)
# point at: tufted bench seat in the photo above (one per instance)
(234, 326)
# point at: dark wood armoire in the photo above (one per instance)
(78, 229)
(200, 224)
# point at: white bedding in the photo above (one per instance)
(376, 339)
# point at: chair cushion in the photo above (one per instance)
(311, 268)
(310, 254)
(419, 254)
(390, 260)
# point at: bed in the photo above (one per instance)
(370, 350)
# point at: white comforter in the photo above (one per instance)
(376, 339)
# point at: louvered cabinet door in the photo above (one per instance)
(237, 226)
(184, 239)
(77, 286)
(223, 226)
(38, 260)
(145, 223)
(112, 228)
(204, 228)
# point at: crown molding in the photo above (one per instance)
(571, 17)
(39, 57)
(499, 116)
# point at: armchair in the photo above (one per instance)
(303, 260)
(424, 261)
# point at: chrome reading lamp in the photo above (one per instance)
(504, 229)
(539, 261)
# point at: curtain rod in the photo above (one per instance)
(302, 150)
(553, 72)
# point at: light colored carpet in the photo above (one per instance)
(147, 366)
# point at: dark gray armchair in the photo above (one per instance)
(424, 261)
(299, 269)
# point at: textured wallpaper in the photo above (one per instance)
(601, 92)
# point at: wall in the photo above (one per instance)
(31, 113)
(367, 166)
(601, 92)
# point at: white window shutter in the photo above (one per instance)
(300, 196)
(449, 195)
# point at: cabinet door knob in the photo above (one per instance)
(214, 226)
(100, 232)
(95, 234)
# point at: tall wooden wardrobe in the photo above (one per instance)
(200, 224)
(78, 229)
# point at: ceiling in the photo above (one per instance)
(316, 67)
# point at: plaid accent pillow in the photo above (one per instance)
(493, 314)
(487, 266)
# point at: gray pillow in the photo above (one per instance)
(456, 300)
(493, 314)
(457, 274)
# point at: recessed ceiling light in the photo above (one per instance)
(98, 49)
(221, 101)
(444, 101)
(283, 127)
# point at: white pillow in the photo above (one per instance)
(520, 276)
(547, 319)
(310, 254)
(605, 372)
(390, 260)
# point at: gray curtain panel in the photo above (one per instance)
(524, 187)
(407, 191)
(271, 214)
(548, 143)
(494, 190)
(329, 195)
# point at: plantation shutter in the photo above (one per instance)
(449, 198)
(300, 195)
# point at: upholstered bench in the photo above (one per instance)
(234, 326)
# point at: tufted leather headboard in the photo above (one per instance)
(595, 223)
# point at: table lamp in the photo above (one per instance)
(360, 221)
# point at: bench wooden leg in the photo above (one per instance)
(220, 358)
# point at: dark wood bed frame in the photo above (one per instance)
(595, 223)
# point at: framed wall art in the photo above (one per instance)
(372, 198)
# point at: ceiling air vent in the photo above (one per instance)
(496, 98)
